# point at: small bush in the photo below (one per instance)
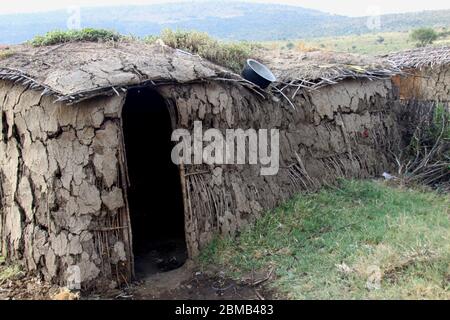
(6, 54)
(426, 159)
(87, 34)
(231, 55)
(424, 36)
(9, 272)
(379, 39)
(290, 46)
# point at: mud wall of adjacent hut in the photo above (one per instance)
(427, 84)
(346, 130)
(61, 197)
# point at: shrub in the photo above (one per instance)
(231, 55)
(424, 36)
(87, 34)
(6, 53)
(380, 39)
(426, 159)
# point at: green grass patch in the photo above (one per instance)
(231, 55)
(8, 272)
(363, 240)
(87, 34)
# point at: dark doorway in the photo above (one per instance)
(154, 195)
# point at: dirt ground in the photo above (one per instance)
(23, 287)
(184, 283)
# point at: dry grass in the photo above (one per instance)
(370, 44)
(426, 159)
(231, 55)
(6, 53)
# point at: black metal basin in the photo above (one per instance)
(258, 73)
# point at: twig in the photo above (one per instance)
(279, 91)
(258, 282)
(196, 173)
(260, 297)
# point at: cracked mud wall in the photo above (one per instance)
(346, 130)
(428, 84)
(61, 192)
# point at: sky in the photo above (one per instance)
(342, 7)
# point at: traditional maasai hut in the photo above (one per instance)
(85, 170)
(426, 74)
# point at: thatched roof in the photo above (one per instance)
(420, 57)
(77, 71)
(316, 69)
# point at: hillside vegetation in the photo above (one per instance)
(362, 240)
(230, 20)
(371, 44)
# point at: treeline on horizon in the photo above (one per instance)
(236, 21)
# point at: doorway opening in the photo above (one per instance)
(154, 195)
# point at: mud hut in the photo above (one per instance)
(86, 179)
(423, 115)
(426, 74)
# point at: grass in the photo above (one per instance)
(87, 34)
(363, 240)
(371, 44)
(231, 55)
(8, 272)
(6, 53)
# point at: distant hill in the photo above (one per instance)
(225, 20)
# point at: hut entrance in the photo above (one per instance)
(154, 195)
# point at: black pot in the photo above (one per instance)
(258, 73)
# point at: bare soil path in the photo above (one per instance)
(186, 283)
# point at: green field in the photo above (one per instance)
(372, 44)
(363, 240)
